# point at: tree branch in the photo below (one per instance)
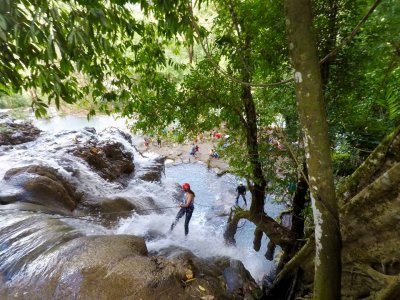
(196, 28)
(352, 34)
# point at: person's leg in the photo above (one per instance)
(187, 219)
(237, 199)
(244, 199)
(180, 214)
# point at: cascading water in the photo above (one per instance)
(40, 232)
(214, 198)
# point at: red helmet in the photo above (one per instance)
(186, 186)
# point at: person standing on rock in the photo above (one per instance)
(186, 208)
(241, 191)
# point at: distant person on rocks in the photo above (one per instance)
(241, 191)
(186, 208)
(211, 134)
(213, 153)
(159, 142)
(194, 150)
(146, 144)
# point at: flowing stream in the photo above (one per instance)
(214, 198)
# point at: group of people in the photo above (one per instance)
(187, 208)
(147, 142)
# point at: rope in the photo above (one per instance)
(88, 216)
(207, 205)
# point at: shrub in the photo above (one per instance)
(14, 101)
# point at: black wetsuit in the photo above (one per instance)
(241, 191)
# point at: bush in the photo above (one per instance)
(14, 101)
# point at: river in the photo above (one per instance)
(215, 196)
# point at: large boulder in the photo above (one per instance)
(119, 267)
(107, 158)
(41, 185)
(14, 132)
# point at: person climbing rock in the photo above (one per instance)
(186, 208)
(241, 191)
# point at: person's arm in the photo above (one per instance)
(189, 199)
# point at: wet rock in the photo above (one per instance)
(109, 210)
(233, 280)
(223, 278)
(13, 132)
(106, 158)
(153, 171)
(117, 132)
(41, 185)
(119, 267)
(90, 129)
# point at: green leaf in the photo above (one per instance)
(3, 23)
(3, 35)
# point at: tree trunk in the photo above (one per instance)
(299, 200)
(312, 116)
(257, 176)
(258, 188)
(369, 209)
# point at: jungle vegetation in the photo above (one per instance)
(329, 69)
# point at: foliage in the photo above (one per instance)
(14, 101)
(45, 45)
(363, 93)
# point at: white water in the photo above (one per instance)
(214, 196)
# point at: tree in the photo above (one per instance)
(313, 119)
(47, 46)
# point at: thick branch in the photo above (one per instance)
(258, 234)
(365, 173)
(277, 233)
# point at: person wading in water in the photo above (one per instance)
(241, 191)
(186, 208)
